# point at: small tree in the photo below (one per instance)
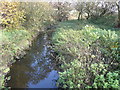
(80, 7)
(11, 15)
(89, 9)
(62, 10)
(94, 9)
(37, 14)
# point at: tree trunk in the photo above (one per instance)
(118, 6)
(79, 16)
(119, 18)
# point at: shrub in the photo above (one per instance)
(37, 14)
(11, 15)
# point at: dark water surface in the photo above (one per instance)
(36, 69)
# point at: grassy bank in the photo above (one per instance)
(13, 44)
(88, 52)
(22, 22)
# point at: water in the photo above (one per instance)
(36, 69)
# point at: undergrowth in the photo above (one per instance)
(88, 54)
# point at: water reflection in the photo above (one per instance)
(36, 69)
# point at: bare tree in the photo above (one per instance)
(80, 8)
(118, 8)
(95, 9)
(62, 10)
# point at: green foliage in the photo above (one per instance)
(101, 22)
(11, 42)
(2, 81)
(72, 77)
(11, 46)
(110, 80)
(71, 41)
(98, 68)
(37, 14)
(11, 15)
(103, 77)
(94, 51)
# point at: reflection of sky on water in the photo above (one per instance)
(49, 81)
(35, 69)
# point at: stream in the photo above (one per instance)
(36, 69)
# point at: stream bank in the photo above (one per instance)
(36, 69)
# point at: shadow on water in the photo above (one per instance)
(36, 69)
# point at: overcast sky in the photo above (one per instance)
(60, 0)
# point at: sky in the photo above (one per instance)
(71, 1)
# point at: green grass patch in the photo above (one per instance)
(12, 44)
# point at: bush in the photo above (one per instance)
(36, 14)
(11, 15)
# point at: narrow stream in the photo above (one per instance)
(36, 69)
